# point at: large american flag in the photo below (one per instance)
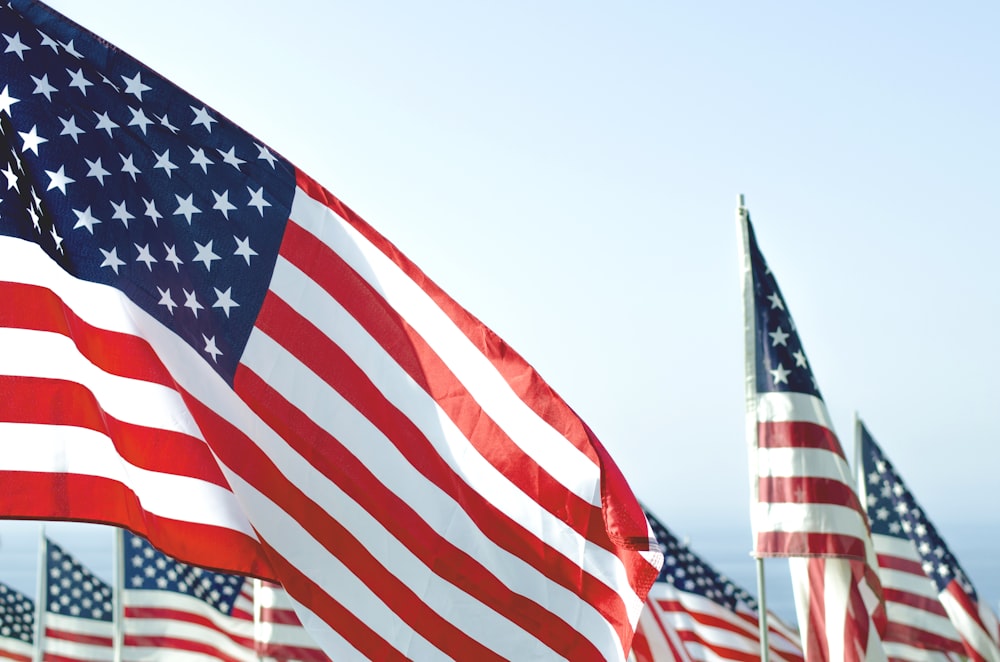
(931, 604)
(279, 633)
(78, 616)
(203, 345)
(17, 625)
(172, 609)
(803, 503)
(713, 617)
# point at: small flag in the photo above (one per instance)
(17, 625)
(279, 633)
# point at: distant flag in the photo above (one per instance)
(200, 343)
(279, 633)
(931, 604)
(17, 625)
(172, 609)
(78, 618)
(803, 503)
(713, 617)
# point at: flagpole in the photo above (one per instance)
(750, 355)
(117, 594)
(40, 598)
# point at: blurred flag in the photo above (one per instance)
(205, 346)
(931, 604)
(714, 618)
(803, 503)
(78, 618)
(172, 609)
(17, 625)
(279, 633)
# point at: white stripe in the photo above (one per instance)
(58, 449)
(913, 654)
(334, 641)
(151, 598)
(802, 462)
(893, 546)
(971, 632)
(11, 647)
(780, 407)
(190, 632)
(78, 626)
(550, 449)
(901, 580)
(86, 626)
(898, 612)
(808, 517)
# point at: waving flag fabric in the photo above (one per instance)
(931, 604)
(713, 617)
(203, 345)
(173, 610)
(803, 503)
(17, 625)
(279, 633)
(77, 622)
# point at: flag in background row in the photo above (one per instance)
(78, 616)
(803, 503)
(201, 344)
(279, 633)
(931, 604)
(17, 625)
(713, 618)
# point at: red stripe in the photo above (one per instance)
(279, 616)
(139, 613)
(8, 654)
(297, 653)
(902, 633)
(971, 614)
(176, 643)
(640, 646)
(724, 652)
(931, 605)
(669, 632)
(79, 637)
(858, 625)
(902, 564)
(808, 490)
(797, 543)
(815, 645)
(797, 434)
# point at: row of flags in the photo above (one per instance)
(163, 609)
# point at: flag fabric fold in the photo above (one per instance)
(17, 625)
(803, 502)
(931, 604)
(203, 345)
(711, 617)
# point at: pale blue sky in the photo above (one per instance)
(569, 171)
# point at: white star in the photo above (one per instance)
(71, 49)
(898, 489)
(78, 80)
(42, 87)
(265, 153)
(873, 478)
(894, 527)
(166, 300)
(111, 259)
(198, 158)
(152, 212)
(165, 123)
(257, 200)
(56, 238)
(205, 254)
(191, 302)
(70, 128)
(135, 85)
(6, 100)
(58, 179)
(109, 83)
(172, 257)
(163, 161)
(222, 203)
(185, 207)
(49, 41)
(105, 122)
(243, 249)
(224, 300)
(139, 119)
(11, 177)
(121, 213)
(202, 117)
(97, 170)
(780, 375)
(778, 338)
(85, 220)
(920, 530)
(14, 45)
(924, 548)
(145, 256)
(882, 513)
(231, 158)
(128, 166)
(800, 359)
(31, 140)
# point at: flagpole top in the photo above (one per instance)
(741, 202)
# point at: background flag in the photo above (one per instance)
(803, 503)
(78, 617)
(279, 634)
(203, 345)
(713, 617)
(931, 604)
(17, 625)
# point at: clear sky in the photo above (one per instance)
(569, 171)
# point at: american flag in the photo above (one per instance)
(203, 345)
(78, 618)
(931, 604)
(17, 625)
(803, 503)
(713, 617)
(279, 633)
(172, 608)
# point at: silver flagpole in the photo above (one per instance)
(749, 324)
(40, 598)
(117, 594)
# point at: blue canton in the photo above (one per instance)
(781, 359)
(894, 512)
(17, 615)
(686, 571)
(148, 568)
(72, 590)
(124, 179)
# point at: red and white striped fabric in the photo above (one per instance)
(346, 429)
(278, 632)
(803, 502)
